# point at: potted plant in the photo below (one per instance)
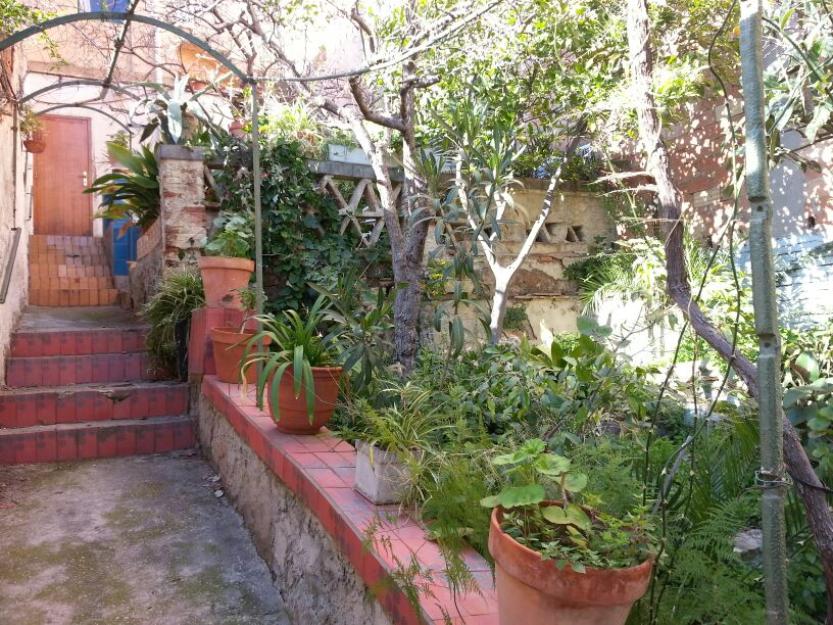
(558, 562)
(229, 344)
(168, 313)
(393, 439)
(32, 128)
(227, 266)
(298, 372)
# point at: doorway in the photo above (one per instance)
(61, 173)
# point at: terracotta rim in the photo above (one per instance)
(615, 586)
(232, 336)
(226, 262)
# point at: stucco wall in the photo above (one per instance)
(14, 213)
(316, 582)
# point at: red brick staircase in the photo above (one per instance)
(69, 271)
(79, 388)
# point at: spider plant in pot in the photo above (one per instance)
(229, 343)
(298, 374)
(227, 266)
(558, 562)
(390, 441)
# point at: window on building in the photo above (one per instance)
(103, 5)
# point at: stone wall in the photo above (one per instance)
(182, 209)
(576, 220)
(316, 582)
(13, 208)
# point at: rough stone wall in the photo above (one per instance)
(145, 274)
(13, 212)
(551, 302)
(314, 579)
(182, 209)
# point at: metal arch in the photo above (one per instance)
(91, 82)
(89, 108)
(116, 16)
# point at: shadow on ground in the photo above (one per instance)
(127, 541)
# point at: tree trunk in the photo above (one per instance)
(500, 300)
(807, 483)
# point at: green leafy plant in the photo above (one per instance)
(176, 113)
(234, 236)
(365, 324)
(30, 123)
(178, 296)
(516, 318)
(121, 139)
(131, 191)
(563, 531)
(295, 341)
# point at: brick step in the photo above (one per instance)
(71, 283)
(85, 369)
(74, 297)
(25, 408)
(69, 271)
(77, 342)
(102, 439)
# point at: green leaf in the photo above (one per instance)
(526, 452)
(552, 465)
(572, 515)
(575, 482)
(517, 496)
(490, 502)
(808, 367)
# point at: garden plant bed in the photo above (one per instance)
(328, 543)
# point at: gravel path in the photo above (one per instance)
(128, 541)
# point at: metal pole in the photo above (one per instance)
(771, 475)
(258, 220)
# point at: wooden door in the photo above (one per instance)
(61, 173)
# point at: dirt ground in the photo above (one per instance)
(147, 540)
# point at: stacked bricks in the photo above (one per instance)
(69, 271)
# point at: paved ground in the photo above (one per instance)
(127, 541)
(75, 318)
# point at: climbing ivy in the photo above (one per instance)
(302, 242)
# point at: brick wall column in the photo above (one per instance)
(182, 208)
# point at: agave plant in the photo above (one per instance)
(294, 341)
(174, 112)
(132, 190)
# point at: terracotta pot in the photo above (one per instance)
(293, 410)
(223, 277)
(229, 348)
(533, 591)
(35, 144)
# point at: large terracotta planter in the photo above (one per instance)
(293, 410)
(229, 348)
(222, 279)
(534, 591)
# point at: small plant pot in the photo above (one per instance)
(222, 279)
(533, 591)
(293, 410)
(229, 349)
(381, 476)
(34, 144)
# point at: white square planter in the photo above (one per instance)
(345, 154)
(380, 476)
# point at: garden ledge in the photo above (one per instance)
(320, 471)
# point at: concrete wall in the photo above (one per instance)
(14, 212)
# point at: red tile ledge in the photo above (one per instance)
(379, 541)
